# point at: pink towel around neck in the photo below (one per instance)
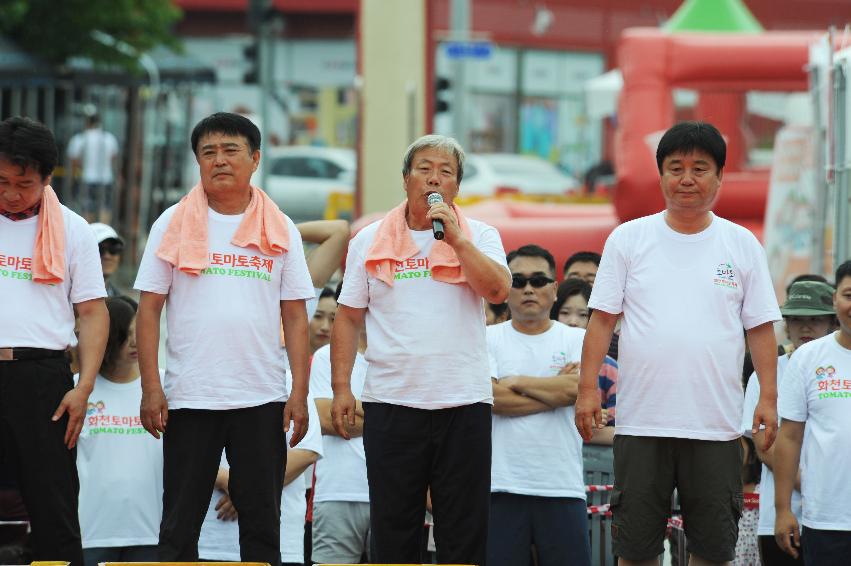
(48, 265)
(185, 243)
(393, 243)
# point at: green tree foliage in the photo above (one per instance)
(58, 29)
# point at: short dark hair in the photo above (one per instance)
(327, 292)
(687, 137)
(226, 123)
(567, 289)
(498, 309)
(806, 277)
(28, 144)
(532, 250)
(121, 314)
(593, 257)
(843, 271)
(338, 290)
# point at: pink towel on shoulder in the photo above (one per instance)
(185, 243)
(48, 265)
(393, 243)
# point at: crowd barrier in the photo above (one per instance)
(599, 476)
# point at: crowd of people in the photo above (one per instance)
(443, 383)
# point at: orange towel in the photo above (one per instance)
(393, 243)
(185, 242)
(49, 252)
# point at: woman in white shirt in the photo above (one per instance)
(120, 466)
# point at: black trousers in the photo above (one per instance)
(409, 450)
(33, 445)
(771, 554)
(255, 443)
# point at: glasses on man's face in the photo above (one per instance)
(537, 281)
(112, 248)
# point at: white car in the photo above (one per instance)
(300, 178)
(489, 174)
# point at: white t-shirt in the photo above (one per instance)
(767, 513)
(310, 306)
(121, 470)
(817, 391)
(95, 148)
(685, 299)
(426, 338)
(36, 315)
(219, 539)
(538, 454)
(224, 326)
(341, 475)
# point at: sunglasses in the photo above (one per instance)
(537, 281)
(114, 247)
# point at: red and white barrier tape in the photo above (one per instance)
(600, 510)
(591, 488)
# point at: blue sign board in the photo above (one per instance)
(469, 49)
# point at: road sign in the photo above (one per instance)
(469, 49)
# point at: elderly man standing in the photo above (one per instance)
(687, 282)
(230, 266)
(49, 268)
(427, 395)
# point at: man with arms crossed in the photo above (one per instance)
(230, 266)
(49, 268)
(687, 282)
(537, 484)
(815, 405)
(427, 396)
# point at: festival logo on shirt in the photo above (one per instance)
(412, 269)
(93, 408)
(98, 421)
(830, 386)
(559, 361)
(725, 276)
(238, 265)
(16, 267)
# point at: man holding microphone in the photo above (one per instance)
(427, 396)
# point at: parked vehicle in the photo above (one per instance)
(300, 178)
(492, 174)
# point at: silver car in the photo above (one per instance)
(301, 178)
(491, 174)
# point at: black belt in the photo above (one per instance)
(21, 354)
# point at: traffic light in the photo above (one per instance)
(251, 52)
(441, 85)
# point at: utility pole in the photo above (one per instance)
(265, 24)
(460, 24)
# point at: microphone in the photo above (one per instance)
(436, 225)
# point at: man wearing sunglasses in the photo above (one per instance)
(686, 283)
(537, 486)
(111, 246)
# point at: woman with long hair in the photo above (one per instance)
(119, 464)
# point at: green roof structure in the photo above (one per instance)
(713, 16)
